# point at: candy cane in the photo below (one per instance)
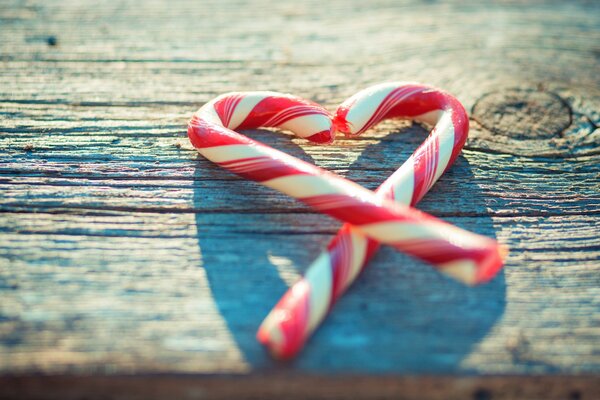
(407, 229)
(305, 305)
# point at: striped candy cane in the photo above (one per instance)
(305, 305)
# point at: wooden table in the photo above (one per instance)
(130, 267)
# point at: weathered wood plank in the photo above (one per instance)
(134, 273)
(146, 172)
(122, 251)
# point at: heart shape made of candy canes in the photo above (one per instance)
(371, 218)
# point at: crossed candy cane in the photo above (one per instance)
(370, 218)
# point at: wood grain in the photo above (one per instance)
(124, 252)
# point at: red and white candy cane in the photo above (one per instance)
(306, 303)
(378, 217)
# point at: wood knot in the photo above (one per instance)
(530, 122)
(523, 114)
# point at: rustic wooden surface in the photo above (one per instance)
(123, 252)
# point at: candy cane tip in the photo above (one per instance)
(271, 336)
(340, 123)
(283, 332)
(270, 327)
(323, 137)
(492, 264)
(473, 273)
(263, 335)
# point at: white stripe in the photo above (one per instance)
(230, 152)
(461, 270)
(391, 232)
(430, 118)
(307, 125)
(445, 132)
(300, 186)
(319, 278)
(208, 113)
(402, 183)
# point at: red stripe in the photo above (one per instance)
(270, 106)
(228, 164)
(340, 264)
(323, 137)
(267, 172)
(352, 210)
(428, 100)
(419, 160)
(447, 252)
(204, 134)
(460, 122)
(292, 113)
(226, 106)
